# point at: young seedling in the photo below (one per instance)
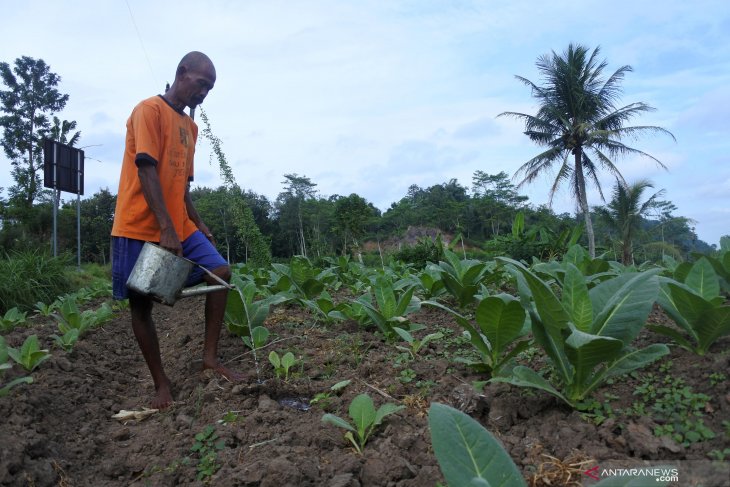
(365, 419)
(13, 317)
(323, 398)
(282, 364)
(67, 340)
(414, 344)
(4, 365)
(30, 354)
(46, 309)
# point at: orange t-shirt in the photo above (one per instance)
(158, 134)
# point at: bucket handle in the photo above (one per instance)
(220, 281)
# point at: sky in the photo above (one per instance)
(371, 97)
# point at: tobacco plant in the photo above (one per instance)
(587, 334)
(365, 418)
(594, 270)
(696, 306)
(282, 364)
(415, 344)
(390, 309)
(5, 365)
(70, 317)
(245, 316)
(461, 278)
(324, 308)
(29, 355)
(300, 279)
(500, 321)
(13, 317)
(67, 340)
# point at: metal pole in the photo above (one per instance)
(78, 210)
(55, 200)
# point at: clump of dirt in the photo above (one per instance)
(59, 430)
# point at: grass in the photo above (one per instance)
(33, 276)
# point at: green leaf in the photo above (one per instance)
(4, 390)
(288, 360)
(626, 310)
(636, 359)
(337, 421)
(3, 350)
(576, 300)
(713, 324)
(407, 337)
(362, 412)
(385, 297)
(341, 385)
(585, 351)
(500, 321)
(260, 335)
(404, 302)
(466, 451)
(275, 359)
(550, 320)
(703, 279)
(526, 377)
(30, 355)
(386, 410)
(669, 304)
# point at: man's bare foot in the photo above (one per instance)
(228, 374)
(163, 398)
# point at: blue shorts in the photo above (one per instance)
(196, 247)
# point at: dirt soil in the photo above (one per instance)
(59, 430)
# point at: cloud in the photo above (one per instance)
(480, 128)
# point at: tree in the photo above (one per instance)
(289, 207)
(495, 200)
(31, 97)
(626, 212)
(61, 132)
(352, 215)
(577, 116)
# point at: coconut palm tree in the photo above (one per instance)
(577, 117)
(61, 132)
(626, 211)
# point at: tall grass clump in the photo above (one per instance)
(92, 275)
(30, 276)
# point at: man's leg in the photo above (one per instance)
(146, 334)
(215, 308)
(201, 251)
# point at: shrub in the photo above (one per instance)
(31, 276)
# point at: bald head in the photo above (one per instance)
(194, 78)
(195, 60)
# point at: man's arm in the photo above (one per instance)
(195, 217)
(152, 192)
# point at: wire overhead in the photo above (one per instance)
(141, 43)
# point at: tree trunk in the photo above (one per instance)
(583, 203)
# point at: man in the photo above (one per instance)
(154, 205)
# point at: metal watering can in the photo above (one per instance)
(161, 275)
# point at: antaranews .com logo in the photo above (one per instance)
(658, 474)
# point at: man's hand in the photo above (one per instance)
(169, 241)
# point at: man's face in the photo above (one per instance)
(197, 82)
